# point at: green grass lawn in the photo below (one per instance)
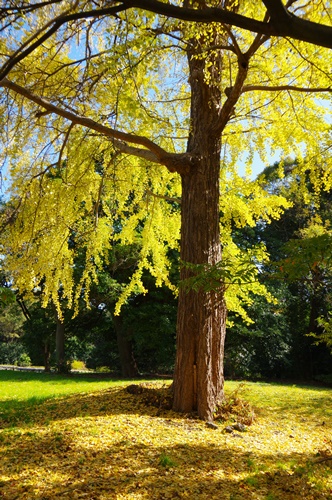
(19, 391)
(20, 385)
(88, 438)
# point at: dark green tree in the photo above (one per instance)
(300, 245)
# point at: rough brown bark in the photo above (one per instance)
(198, 377)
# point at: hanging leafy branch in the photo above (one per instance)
(220, 276)
(325, 337)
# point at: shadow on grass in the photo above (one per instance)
(26, 410)
(116, 400)
(63, 468)
(112, 401)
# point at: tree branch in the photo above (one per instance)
(82, 120)
(57, 23)
(204, 15)
(273, 88)
(281, 23)
(175, 162)
(130, 150)
(24, 8)
(287, 24)
(233, 93)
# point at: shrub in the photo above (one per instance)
(10, 353)
(78, 365)
(24, 360)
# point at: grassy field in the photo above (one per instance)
(88, 438)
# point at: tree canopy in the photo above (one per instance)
(119, 116)
(281, 21)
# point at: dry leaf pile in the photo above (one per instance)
(114, 444)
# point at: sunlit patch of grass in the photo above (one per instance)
(279, 397)
(20, 392)
(35, 386)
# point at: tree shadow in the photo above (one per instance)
(99, 446)
(54, 465)
(115, 400)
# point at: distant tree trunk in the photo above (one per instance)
(316, 303)
(127, 360)
(60, 346)
(47, 356)
(201, 324)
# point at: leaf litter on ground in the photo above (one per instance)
(117, 444)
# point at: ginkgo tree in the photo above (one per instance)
(116, 115)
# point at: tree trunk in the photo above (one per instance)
(127, 360)
(316, 303)
(47, 356)
(201, 324)
(60, 346)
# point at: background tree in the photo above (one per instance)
(39, 335)
(145, 327)
(166, 74)
(277, 344)
(300, 246)
(12, 350)
(261, 349)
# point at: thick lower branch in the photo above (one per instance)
(82, 120)
(288, 25)
(175, 162)
(123, 147)
(276, 88)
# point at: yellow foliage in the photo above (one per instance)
(72, 190)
